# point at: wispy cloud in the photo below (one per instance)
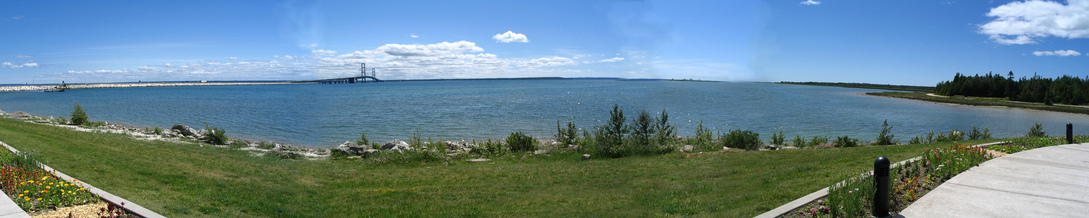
(810, 2)
(19, 17)
(10, 65)
(510, 36)
(1026, 22)
(413, 35)
(1060, 53)
(24, 56)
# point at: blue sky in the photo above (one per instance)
(898, 42)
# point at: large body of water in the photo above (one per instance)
(325, 115)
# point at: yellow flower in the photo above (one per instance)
(39, 199)
(26, 191)
(20, 195)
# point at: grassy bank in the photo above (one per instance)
(188, 180)
(866, 86)
(982, 101)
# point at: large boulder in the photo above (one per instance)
(396, 145)
(185, 130)
(349, 148)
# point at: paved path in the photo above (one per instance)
(8, 208)
(1043, 182)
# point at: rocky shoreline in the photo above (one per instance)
(19, 88)
(184, 134)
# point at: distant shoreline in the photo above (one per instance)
(865, 86)
(47, 87)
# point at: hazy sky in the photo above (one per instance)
(899, 42)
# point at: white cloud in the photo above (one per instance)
(19, 17)
(810, 2)
(547, 62)
(323, 52)
(233, 58)
(610, 60)
(510, 36)
(1060, 53)
(10, 65)
(441, 48)
(24, 56)
(1025, 22)
(413, 35)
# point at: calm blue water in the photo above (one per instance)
(325, 115)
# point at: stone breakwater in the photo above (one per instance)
(19, 88)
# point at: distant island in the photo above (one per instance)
(865, 86)
(1063, 94)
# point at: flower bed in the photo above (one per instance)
(1029, 143)
(36, 190)
(910, 181)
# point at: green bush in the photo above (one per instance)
(566, 136)
(976, 134)
(1036, 130)
(666, 133)
(885, 138)
(845, 142)
(952, 136)
(78, 115)
(704, 138)
(642, 128)
(158, 131)
(609, 138)
(215, 136)
(363, 140)
(519, 142)
(817, 140)
(799, 141)
(777, 138)
(916, 140)
(747, 140)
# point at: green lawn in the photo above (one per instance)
(186, 180)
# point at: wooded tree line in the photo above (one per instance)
(1064, 90)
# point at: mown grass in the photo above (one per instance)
(187, 180)
(983, 101)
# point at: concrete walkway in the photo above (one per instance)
(1043, 182)
(8, 208)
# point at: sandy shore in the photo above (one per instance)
(17, 88)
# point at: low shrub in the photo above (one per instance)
(885, 137)
(215, 136)
(799, 141)
(845, 142)
(158, 131)
(817, 140)
(519, 142)
(976, 134)
(1036, 131)
(363, 140)
(566, 136)
(777, 138)
(746, 139)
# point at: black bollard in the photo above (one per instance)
(1069, 133)
(881, 181)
